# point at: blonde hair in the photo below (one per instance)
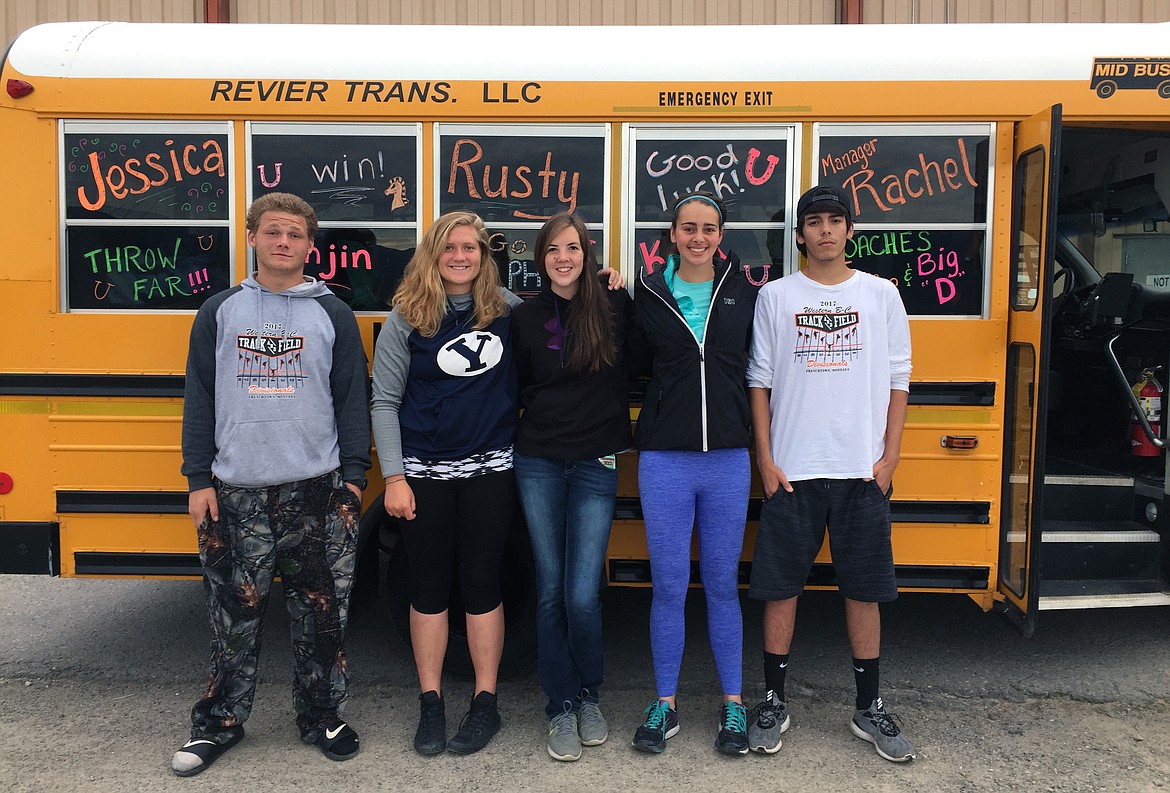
(420, 297)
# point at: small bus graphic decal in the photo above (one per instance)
(1111, 74)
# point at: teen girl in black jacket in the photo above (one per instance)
(693, 467)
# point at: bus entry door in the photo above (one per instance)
(1034, 191)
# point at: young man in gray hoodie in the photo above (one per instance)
(276, 443)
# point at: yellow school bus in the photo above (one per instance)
(1020, 208)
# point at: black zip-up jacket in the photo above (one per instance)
(697, 396)
(570, 415)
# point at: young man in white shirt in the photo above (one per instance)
(827, 380)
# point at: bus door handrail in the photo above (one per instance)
(1128, 389)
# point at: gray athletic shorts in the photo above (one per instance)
(792, 530)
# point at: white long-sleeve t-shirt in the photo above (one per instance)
(831, 355)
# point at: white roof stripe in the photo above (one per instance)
(655, 54)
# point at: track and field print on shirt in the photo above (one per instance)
(827, 337)
(269, 365)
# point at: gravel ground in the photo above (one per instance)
(97, 679)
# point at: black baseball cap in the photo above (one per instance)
(822, 198)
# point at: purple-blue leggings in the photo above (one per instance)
(679, 490)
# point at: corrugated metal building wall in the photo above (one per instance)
(20, 14)
(543, 12)
(17, 15)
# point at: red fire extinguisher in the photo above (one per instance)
(1149, 393)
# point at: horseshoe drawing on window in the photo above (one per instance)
(264, 179)
(104, 293)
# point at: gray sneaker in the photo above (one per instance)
(563, 742)
(766, 722)
(878, 726)
(591, 724)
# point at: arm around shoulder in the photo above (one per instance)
(634, 350)
(637, 345)
(511, 298)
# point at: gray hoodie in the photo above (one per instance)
(276, 388)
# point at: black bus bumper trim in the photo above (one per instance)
(966, 394)
(135, 502)
(909, 577)
(137, 564)
(92, 385)
(968, 512)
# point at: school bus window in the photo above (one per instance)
(523, 173)
(517, 176)
(362, 265)
(755, 247)
(749, 168)
(362, 180)
(1013, 559)
(129, 268)
(354, 173)
(919, 198)
(1029, 229)
(146, 222)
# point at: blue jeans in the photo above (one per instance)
(569, 508)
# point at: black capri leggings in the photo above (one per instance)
(458, 533)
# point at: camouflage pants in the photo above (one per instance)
(307, 532)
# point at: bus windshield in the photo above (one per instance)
(1114, 194)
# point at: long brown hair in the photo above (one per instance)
(420, 297)
(593, 343)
